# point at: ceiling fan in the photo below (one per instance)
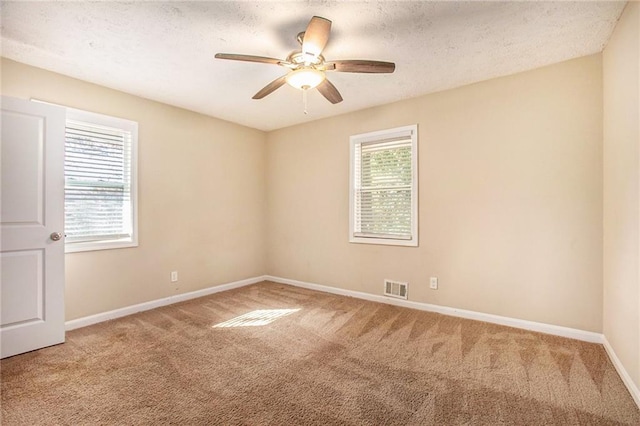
(307, 66)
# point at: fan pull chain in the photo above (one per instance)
(304, 100)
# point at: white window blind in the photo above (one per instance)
(383, 193)
(99, 182)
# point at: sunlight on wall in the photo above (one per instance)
(256, 318)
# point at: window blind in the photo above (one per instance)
(97, 182)
(383, 189)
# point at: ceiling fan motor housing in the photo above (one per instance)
(300, 58)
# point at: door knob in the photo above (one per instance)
(56, 236)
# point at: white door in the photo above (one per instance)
(31, 220)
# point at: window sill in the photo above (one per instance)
(384, 241)
(99, 245)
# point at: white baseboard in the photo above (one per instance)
(556, 330)
(571, 333)
(624, 375)
(122, 312)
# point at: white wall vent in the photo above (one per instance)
(395, 289)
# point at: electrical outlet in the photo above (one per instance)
(174, 276)
(433, 283)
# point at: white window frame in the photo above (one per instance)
(128, 126)
(380, 136)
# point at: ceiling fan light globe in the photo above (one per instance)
(305, 78)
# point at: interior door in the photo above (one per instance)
(31, 226)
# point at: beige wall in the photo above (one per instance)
(621, 72)
(510, 198)
(201, 198)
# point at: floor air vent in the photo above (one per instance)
(395, 289)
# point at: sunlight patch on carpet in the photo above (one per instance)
(256, 318)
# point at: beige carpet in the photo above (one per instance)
(323, 359)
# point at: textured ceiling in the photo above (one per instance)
(164, 51)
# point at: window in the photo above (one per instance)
(100, 182)
(383, 199)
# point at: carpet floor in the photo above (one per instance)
(272, 354)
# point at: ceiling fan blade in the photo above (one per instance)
(361, 65)
(316, 36)
(330, 92)
(271, 87)
(249, 58)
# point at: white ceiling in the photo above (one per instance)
(164, 51)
